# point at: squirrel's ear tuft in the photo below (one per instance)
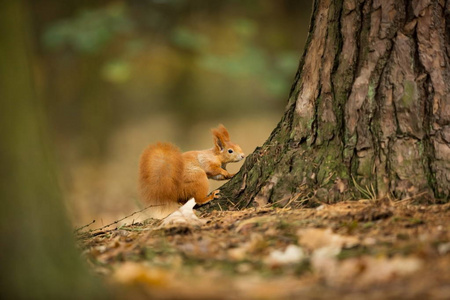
(218, 139)
(224, 132)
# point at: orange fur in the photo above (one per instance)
(168, 177)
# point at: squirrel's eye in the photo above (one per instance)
(230, 150)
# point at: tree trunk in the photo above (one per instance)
(38, 258)
(368, 114)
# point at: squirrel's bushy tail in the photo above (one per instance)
(160, 178)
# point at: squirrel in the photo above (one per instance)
(168, 177)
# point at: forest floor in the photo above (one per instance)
(367, 249)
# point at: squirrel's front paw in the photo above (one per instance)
(216, 194)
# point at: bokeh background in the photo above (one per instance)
(118, 75)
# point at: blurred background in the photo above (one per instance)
(116, 76)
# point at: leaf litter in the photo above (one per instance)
(375, 248)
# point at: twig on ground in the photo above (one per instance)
(117, 221)
(84, 226)
(410, 198)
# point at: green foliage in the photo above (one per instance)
(90, 30)
(245, 28)
(138, 59)
(189, 39)
(247, 61)
(116, 71)
(255, 63)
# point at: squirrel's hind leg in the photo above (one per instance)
(197, 187)
(212, 196)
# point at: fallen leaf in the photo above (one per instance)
(366, 270)
(315, 238)
(292, 254)
(323, 260)
(184, 215)
(237, 254)
(250, 222)
(132, 273)
(444, 248)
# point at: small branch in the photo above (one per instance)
(132, 214)
(411, 198)
(136, 229)
(84, 226)
(115, 222)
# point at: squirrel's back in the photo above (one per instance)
(161, 170)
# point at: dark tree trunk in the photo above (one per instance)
(369, 111)
(38, 259)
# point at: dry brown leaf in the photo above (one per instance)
(237, 254)
(367, 270)
(134, 273)
(255, 220)
(315, 238)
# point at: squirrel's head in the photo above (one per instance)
(224, 148)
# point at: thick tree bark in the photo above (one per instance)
(369, 111)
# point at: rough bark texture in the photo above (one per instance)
(369, 111)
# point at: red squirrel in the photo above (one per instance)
(168, 177)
